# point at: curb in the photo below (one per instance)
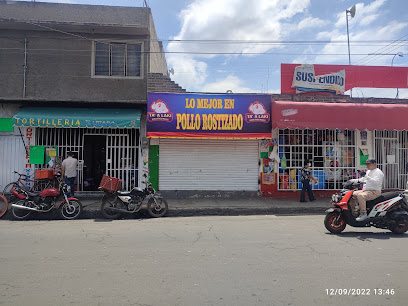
(191, 212)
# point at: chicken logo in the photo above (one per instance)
(257, 108)
(161, 112)
(159, 107)
(258, 113)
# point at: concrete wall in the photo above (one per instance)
(158, 63)
(60, 69)
(8, 110)
(59, 65)
(75, 14)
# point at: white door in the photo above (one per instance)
(12, 158)
(230, 165)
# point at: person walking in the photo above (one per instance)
(69, 171)
(306, 176)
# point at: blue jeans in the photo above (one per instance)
(306, 187)
(70, 181)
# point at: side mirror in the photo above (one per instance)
(362, 173)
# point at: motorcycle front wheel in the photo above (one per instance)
(71, 211)
(21, 214)
(106, 208)
(157, 207)
(335, 222)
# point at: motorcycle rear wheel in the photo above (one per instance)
(158, 208)
(70, 212)
(108, 202)
(401, 227)
(21, 214)
(334, 225)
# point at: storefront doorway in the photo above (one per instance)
(114, 152)
(94, 165)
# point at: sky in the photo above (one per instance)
(239, 45)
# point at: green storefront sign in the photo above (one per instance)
(78, 117)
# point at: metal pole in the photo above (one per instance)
(348, 44)
(392, 62)
(25, 67)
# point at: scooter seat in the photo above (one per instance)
(383, 197)
(124, 193)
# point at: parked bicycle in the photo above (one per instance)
(23, 181)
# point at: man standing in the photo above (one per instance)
(372, 188)
(69, 171)
(306, 176)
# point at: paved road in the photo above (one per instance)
(248, 260)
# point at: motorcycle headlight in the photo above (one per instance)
(336, 198)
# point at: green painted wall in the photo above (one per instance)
(6, 125)
(154, 166)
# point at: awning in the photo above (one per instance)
(313, 115)
(78, 117)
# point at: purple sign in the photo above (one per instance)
(209, 116)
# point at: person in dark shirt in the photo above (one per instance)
(306, 176)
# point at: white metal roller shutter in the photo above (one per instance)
(12, 158)
(199, 164)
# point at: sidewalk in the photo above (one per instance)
(208, 207)
(225, 206)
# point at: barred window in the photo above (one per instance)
(331, 152)
(117, 59)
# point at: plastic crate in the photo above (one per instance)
(44, 174)
(110, 183)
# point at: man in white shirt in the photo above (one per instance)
(372, 188)
(69, 171)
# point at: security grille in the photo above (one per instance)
(391, 149)
(209, 164)
(331, 152)
(122, 154)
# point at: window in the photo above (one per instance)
(331, 152)
(117, 59)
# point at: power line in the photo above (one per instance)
(218, 41)
(383, 49)
(44, 51)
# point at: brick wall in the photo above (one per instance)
(157, 82)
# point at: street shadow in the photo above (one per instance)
(128, 217)
(367, 236)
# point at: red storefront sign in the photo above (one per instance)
(356, 76)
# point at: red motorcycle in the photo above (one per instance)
(45, 201)
(388, 211)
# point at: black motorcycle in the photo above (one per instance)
(116, 203)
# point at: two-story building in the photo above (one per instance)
(75, 78)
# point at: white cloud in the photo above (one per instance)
(188, 72)
(365, 14)
(242, 20)
(403, 93)
(379, 92)
(311, 22)
(231, 82)
(391, 31)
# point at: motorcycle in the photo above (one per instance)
(388, 211)
(27, 202)
(116, 203)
